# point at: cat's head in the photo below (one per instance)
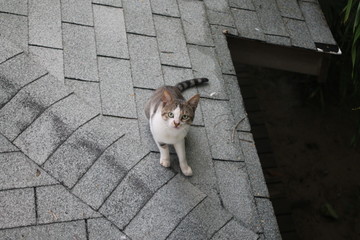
(177, 112)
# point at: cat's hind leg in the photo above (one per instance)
(164, 154)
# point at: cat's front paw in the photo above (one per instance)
(165, 162)
(187, 171)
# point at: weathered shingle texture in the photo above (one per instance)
(77, 159)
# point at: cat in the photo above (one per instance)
(170, 117)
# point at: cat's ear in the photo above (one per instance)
(166, 97)
(194, 100)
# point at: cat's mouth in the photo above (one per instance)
(176, 124)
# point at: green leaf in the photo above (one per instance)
(356, 35)
(347, 10)
(353, 56)
(357, 18)
(353, 59)
(354, 49)
(327, 210)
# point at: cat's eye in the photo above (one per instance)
(170, 115)
(184, 117)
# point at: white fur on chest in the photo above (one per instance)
(163, 132)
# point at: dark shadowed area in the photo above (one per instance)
(311, 144)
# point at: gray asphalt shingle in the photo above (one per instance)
(145, 61)
(142, 96)
(45, 23)
(79, 12)
(7, 49)
(222, 49)
(218, 12)
(241, 203)
(138, 17)
(135, 190)
(270, 18)
(271, 231)
(79, 150)
(299, 34)
(194, 19)
(110, 32)
(111, 167)
(56, 231)
(53, 127)
(18, 171)
(15, 6)
(316, 23)
(204, 177)
(242, 4)
(6, 145)
(202, 222)
(15, 74)
(171, 41)
(219, 124)
(247, 24)
(236, 103)
(253, 166)
(281, 19)
(79, 52)
(15, 28)
(75, 156)
(56, 204)
(232, 230)
(29, 103)
(51, 59)
(117, 93)
(179, 197)
(205, 64)
(100, 229)
(17, 208)
(89, 92)
(174, 75)
(165, 7)
(113, 3)
(290, 9)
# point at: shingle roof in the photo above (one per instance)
(294, 23)
(77, 159)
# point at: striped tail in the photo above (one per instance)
(182, 86)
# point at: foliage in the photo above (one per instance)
(353, 7)
(351, 20)
(343, 17)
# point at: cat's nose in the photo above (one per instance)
(176, 123)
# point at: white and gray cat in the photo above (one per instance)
(170, 116)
